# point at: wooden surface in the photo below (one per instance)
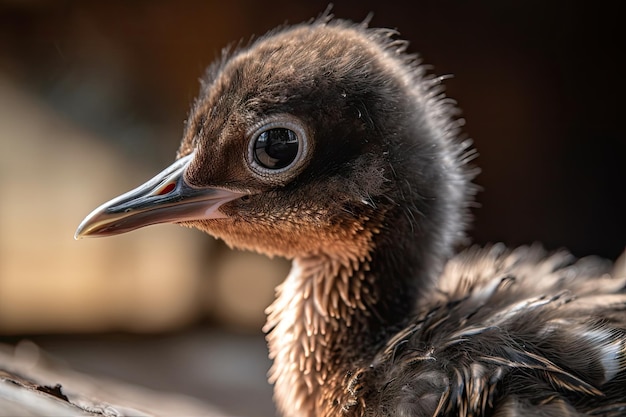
(32, 385)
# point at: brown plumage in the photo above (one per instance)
(328, 144)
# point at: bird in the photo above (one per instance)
(330, 144)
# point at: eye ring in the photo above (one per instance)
(277, 146)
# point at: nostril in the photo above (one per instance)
(167, 189)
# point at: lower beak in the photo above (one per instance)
(166, 198)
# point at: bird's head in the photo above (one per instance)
(302, 142)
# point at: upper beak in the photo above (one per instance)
(166, 198)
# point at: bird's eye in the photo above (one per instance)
(279, 148)
(276, 148)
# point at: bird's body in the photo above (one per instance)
(327, 144)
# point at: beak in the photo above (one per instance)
(166, 198)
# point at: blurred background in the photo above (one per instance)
(93, 96)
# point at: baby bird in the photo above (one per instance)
(326, 143)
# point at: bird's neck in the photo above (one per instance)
(341, 303)
(331, 313)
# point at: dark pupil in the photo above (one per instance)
(276, 148)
